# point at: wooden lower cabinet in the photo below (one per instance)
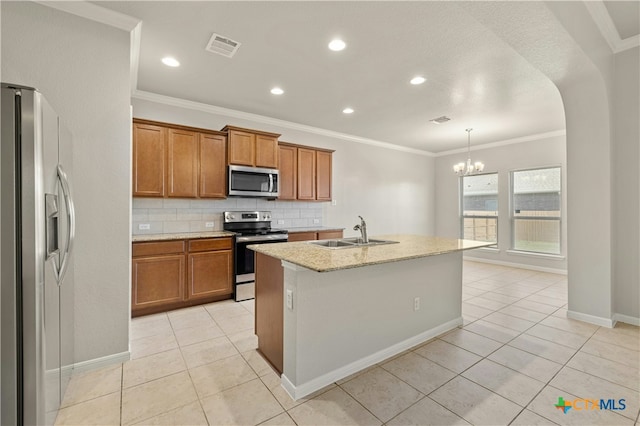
(302, 236)
(209, 273)
(310, 236)
(157, 281)
(329, 235)
(174, 274)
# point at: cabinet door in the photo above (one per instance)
(157, 280)
(182, 156)
(287, 165)
(306, 174)
(213, 166)
(323, 176)
(241, 148)
(148, 160)
(329, 235)
(302, 236)
(266, 151)
(209, 274)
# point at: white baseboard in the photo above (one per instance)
(304, 389)
(591, 319)
(105, 361)
(515, 265)
(627, 319)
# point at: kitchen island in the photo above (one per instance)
(323, 314)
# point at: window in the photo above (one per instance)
(536, 201)
(480, 207)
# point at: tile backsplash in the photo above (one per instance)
(169, 215)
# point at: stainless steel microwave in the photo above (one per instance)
(253, 182)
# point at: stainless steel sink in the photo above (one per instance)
(350, 243)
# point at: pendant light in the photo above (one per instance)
(469, 168)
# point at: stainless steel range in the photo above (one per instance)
(252, 228)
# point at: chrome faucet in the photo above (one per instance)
(363, 230)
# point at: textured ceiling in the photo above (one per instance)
(473, 76)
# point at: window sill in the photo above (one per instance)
(537, 255)
(489, 249)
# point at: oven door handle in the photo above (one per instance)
(262, 239)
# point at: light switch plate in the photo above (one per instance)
(144, 226)
(208, 224)
(280, 222)
(316, 221)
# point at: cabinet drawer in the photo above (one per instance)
(157, 247)
(329, 235)
(208, 244)
(302, 236)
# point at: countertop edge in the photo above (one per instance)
(143, 238)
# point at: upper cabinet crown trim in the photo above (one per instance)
(295, 145)
(242, 129)
(179, 126)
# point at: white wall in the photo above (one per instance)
(626, 183)
(393, 190)
(82, 68)
(542, 152)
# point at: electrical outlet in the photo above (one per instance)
(144, 226)
(280, 221)
(416, 304)
(290, 299)
(208, 224)
(316, 221)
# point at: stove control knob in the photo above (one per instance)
(230, 217)
(266, 217)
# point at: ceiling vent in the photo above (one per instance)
(222, 45)
(440, 120)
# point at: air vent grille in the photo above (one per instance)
(440, 120)
(222, 45)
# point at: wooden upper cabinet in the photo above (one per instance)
(323, 175)
(306, 174)
(182, 160)
(252, 148)
(266, 151)
(170, 160)
(241, 148)
(149, 160)
(213, 166)
(288, 167)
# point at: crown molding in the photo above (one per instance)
(95, 13)
(505, 142)
(600, 15)
(213, 109)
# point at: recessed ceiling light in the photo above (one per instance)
(170, 62)
(418, 80)
(348, 110)
(337, 45)
(277, 91)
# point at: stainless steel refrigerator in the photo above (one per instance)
(36, 269)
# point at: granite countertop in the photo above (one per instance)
(314, 229)
(322, 259)
(181, 236)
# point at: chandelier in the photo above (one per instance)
(468, 168)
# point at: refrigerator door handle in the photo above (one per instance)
(71, 221)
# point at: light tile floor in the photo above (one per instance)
(515, 355)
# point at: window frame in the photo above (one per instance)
(513, 218)
(461, 207)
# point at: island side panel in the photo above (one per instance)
(346, 320)
(269, 309)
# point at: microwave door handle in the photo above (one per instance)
(270, 182)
